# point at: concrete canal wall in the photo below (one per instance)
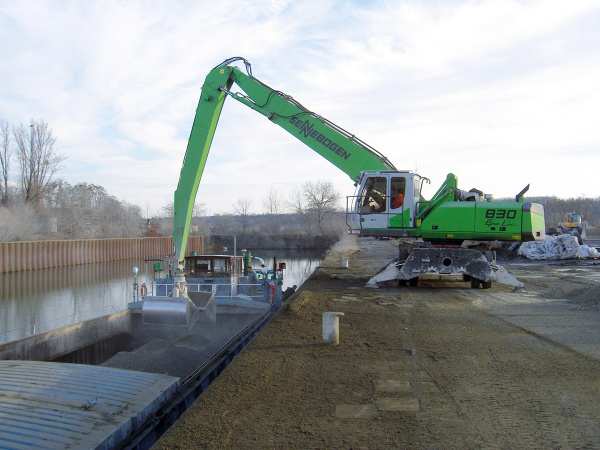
(88, 342)
(16, 256)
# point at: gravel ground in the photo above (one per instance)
(425, 367)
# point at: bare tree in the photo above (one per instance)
(200, 209)
(297, 203)
(77, 208)
(222, 224)
(242, 210)
(272, 208)
(198, 225)
(37, 158)
(5, 157)
(168, 213)
(168, 210)
(19, 222)
(120, 219)
(88, 211)
(321, 198)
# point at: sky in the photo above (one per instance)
(501, 93)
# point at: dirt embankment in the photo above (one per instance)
(416, 367)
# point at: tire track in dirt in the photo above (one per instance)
(495, 380)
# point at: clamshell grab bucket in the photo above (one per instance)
(181, 312)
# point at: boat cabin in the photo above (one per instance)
(222, 266)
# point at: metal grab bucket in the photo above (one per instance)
(179, 311)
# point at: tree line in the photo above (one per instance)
(38, 206)
(556, 209)
(310, 217)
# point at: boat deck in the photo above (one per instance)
(54, 405)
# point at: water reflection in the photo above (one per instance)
(299, 264)
(37, 301)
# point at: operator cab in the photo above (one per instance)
(385, 203)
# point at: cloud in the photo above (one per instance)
(498, 92)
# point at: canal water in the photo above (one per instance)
(36, 301)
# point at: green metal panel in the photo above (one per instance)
(203, 130)
(498, 219)
(449, 218)
(401, 220)
(504, 221)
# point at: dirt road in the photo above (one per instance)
(437, 366)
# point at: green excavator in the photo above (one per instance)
(387, 203)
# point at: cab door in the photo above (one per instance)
(403, 195)
(373, 203)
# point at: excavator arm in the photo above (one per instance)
(341, 148)
(451, 216)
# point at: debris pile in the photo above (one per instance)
(564, 246)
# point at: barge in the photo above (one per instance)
(116, 381)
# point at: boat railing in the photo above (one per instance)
(261, 292)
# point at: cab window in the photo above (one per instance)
(199, 266)
(398, 191)
(373, 196)
(220, 266)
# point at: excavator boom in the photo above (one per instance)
(341, 148)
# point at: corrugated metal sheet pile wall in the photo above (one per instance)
(16, 256)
